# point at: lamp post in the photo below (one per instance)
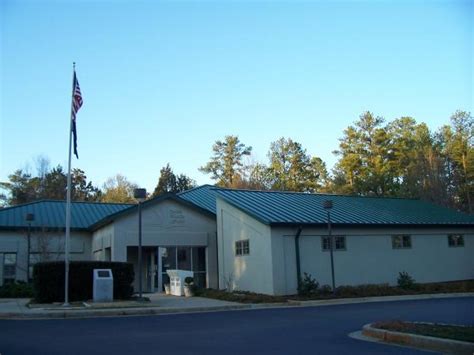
(328, 206)
(140, 196)
(30, 217)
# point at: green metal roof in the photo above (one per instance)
(271, 207)
(202, 196)
(51, 214)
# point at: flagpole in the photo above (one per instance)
(68, 202)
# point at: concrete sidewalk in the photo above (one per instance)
(166, 304)
(21, 308)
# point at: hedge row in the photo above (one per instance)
(48, 280)
(18, 289)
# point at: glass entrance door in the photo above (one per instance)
(168, 262)
(182, 258)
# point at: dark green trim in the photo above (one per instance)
(373, 225)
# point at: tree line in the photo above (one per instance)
(51, 183)
(399, 158)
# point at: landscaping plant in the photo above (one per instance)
(18, 289)
(308, 285)
(48, 280)
(405, 281)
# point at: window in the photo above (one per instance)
(340, 243)
(456, 240)
(9, 268)
(184, 258)
(242, 247)
(199, 266)
(401, 242)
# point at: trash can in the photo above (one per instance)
(177, 278)
(103, 290)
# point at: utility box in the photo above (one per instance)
(103, 288)
(177, 278)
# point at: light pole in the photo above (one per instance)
(140, 196)
(328, 206)
(30, 217)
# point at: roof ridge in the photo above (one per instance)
(315, 193)
(20, 205)
(194, 188)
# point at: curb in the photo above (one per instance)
(156, 310)
(354, 300)
(81, 313)
(419, 341)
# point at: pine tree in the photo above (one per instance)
(226, 165)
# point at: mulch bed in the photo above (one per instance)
(371, 290)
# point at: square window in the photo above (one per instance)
(242, 247)
(406, 241)
(199, 259)
(245, 247)
(9, 259)
(401, 241)
(339, 243)
(456, 240)
(326, 243)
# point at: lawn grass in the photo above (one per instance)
(324, 293)
(455, 332)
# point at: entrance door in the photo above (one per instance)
(182, 258)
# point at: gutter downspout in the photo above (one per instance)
(217, 261)
(297, 252)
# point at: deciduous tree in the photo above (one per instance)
(118, 189)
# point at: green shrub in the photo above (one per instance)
(48, 280)
(405, 281)
(189, 280)
(308, 285)
(19, 289)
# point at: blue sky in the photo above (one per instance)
(163, 80)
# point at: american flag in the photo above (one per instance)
(76, 105)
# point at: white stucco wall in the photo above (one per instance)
(370, 258)
(251, 272)
(45, 246)
(167, 223)
(102, 239)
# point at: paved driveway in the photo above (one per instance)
(312, 330)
